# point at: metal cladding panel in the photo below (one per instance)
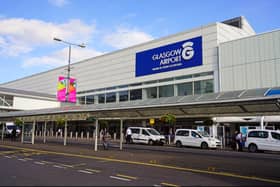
(253, 62)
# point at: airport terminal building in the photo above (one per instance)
(223, 59)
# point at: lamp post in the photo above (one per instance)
(69, 62)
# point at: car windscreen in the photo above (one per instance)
(11, 127)
(153, 132)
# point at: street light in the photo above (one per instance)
(69, 61)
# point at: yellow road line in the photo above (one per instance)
(126, 176)
(8, 152)
(153, 165)
(168, 184)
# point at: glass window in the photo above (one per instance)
(135, 94)
(90, 99)
(258, 134)
(150, 82)
(183, 133)
(135, 131)
(203, 74)
(205, 86)
(185, 89)
(275, 135)
(195, 135)
(111, 97)
(144, 132)
(153, 132)
(151, 92)
(82, 100)
(101, 98)
(123, 96)
(166, 91)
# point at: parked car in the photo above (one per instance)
(193, 138)
(266, 140)
(146, 135)
(9, 129)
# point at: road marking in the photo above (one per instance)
(23, 160)
(28, 159)
(126, 176)
(93, 170)
(66, 165)
(81, 164)
(84, 171)
(7, 156)
(119, 178)
(168, 184)
(226, 174)
(56, 166)
(8, 152)
(40, 163)
(47, 162)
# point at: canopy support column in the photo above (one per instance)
(33, 132)
(45, 129)
(65, 133)
(262, 122)
(96, 135)
(121, 134)
(3, 129)
(22, 133)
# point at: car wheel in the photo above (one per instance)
(253, 148)
(150, 142)
(204, 145)
(178, 144)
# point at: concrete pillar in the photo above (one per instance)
(115, 136)
(71, 134)
(121, 134)
(215, 130)
(82, 134)
(45, 130)
(262, 122)
(87, 135)
(22, 132)
(76, 135)
(33, 132)
(96, 134)
(3, 129)
(65, 133)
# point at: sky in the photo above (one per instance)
(27, 27)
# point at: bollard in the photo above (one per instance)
(87, 135)
(76, 135)
(71, 134)
(169, 140)
(55, 134)
(115, 136)
(82, 135)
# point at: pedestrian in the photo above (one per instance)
(239, 141)
(105, 140)
(128, 135)
(14, 134)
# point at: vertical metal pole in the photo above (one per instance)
(65, 133)
(96, 134)
(3, 129)
(22, 133)
(121, 135)
(68, 74)
(33, 132)
(45, 129)
(262, 122)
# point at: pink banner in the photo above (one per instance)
(72, 90)
(61, 88)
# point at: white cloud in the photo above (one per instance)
(125, 37)
(19, 36)
(58, 3)
(60, 58)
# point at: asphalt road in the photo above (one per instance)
(56, 165)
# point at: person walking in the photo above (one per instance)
(239, 141)
(128, 135)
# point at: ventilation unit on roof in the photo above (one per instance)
(235, 22)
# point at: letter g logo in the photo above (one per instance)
(188, 51)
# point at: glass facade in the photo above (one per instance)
(135, 94)
(151, 92)
(166, 91)
(176, 86)
(185, 89)
(123, 96)
(6, 100)
(101, 98)
(111, 97)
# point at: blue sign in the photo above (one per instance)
(179, 55)
(273, 92)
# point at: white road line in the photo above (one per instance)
(93, 170)
(56, 166)
(28, 159)
(20, 159)
(7, 156)
(40, 163)
(83, 171)
(119, 178)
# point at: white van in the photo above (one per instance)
(267, 140)
(193, 138)
(9, 128)
(146, 135)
